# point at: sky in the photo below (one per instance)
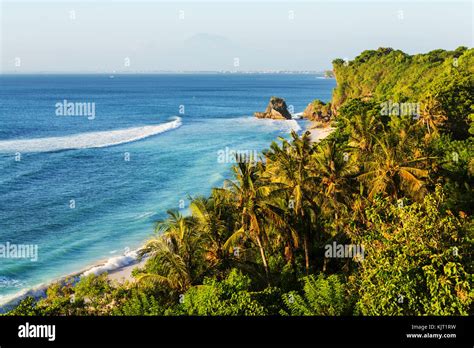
(151, 36)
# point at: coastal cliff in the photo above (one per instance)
(396, 189)
(392, 76)
(319, 111)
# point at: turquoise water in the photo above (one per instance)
(82, 192)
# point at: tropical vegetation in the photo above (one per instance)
(399, 185)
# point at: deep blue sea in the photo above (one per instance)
(84, 189)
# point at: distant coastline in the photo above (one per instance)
(171, 72)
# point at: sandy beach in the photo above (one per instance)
(124, 273)
(119, 269)
(318, 133)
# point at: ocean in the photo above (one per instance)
(90, 162)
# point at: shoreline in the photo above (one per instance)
(124, 273)
(119, 268)
(318, 132)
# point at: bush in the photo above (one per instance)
(417, 261)
(322, 296)
(228, 297)
(139, 303)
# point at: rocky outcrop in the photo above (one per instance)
(276, 110)
(318, 111)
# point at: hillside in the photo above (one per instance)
(376, 219)
(391, 75)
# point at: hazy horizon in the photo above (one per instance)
(159, 37)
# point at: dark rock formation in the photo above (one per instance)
(276, 110)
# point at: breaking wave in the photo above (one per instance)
(87, 140)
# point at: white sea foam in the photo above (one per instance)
(87, 140)
(297, 116)
(8, 302)
(113, 263)
(144, 215)
(284, 126)
(7, 282)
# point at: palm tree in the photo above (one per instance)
(212, 216)
(249, 193)
(432, 114)
(389, 170)
(175, 254)
(335, 170)
(282, 228)
(362, 127)
(288, 166)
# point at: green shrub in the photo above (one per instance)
(228, 297)
(417, 261)
(322, 296)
